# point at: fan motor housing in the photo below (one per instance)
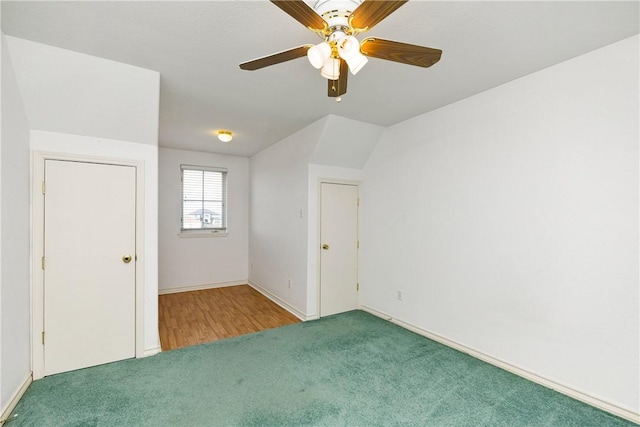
(336, 12)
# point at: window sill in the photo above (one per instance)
(202, 233)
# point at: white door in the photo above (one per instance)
(89, 264)
(339, 248)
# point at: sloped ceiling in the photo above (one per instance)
(73, 93)
(197, 46)
(345, 143)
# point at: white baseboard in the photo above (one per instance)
(151, 351)
(300, 315)
(15, 399)
(201, 287)
(621, 412)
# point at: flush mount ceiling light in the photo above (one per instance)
(337, 22)
(225, 135)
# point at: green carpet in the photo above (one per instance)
(350, 369)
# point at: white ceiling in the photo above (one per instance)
(197, 46)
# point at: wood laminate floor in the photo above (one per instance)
(196, 317)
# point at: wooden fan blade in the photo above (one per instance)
(371, 12)
(276, 58)
(339, 87)
(302, 13)
(400, 52)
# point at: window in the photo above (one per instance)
(204, 198)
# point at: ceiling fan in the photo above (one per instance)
(338, 22)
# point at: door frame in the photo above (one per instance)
(319, 237)
(37, 246)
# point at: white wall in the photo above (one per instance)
(278, 224)
(509, 221)
(84, 105)
(188, 263)
(284, 205)
(3, 64)
(69, 92)
(345, 143)
(15, 318)
(55, 142)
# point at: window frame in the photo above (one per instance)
(205, 232)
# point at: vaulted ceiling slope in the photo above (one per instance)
(197, 46)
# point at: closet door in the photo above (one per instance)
(339, 250)
(89, 264)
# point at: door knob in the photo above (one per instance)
(325, 247)
(126, 259)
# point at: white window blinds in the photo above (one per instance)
(204, 198)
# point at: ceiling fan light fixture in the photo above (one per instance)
(319, 54)
(225, 135)
(338, 22)
(331, 69)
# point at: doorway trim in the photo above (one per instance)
(37, 250)
(317, 248)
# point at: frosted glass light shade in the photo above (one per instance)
(349, 50)
(331, 69)
(225, 135)
(319, 54)
(348, 47)
(356, 63)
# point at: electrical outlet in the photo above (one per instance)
(289, 283)
(399, 296)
